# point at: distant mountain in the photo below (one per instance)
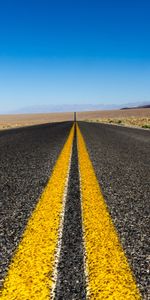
(64, 108)
(137, 107)
(74, 107)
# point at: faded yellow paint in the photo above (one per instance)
(109, 274)
(31, 270)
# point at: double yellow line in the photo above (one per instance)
(31, 273)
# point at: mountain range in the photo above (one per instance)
(75, 107)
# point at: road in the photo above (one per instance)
(82, 248)
(27, 157)
(121, 159)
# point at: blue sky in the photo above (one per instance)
(74, 52)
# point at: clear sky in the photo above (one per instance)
(75, 51)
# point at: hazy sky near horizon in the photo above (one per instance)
(74, 52)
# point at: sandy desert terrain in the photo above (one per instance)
(20, 120)
(130, 117)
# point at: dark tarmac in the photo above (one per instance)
(121, 159)
(27, 157)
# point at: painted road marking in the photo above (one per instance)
(71, 282)
(109, 274)
(30, 275)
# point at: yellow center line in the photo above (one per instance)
(30, 275)
(109, 274)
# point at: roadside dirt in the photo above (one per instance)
(129, 117)
(18, 120)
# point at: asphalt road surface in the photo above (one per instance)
(121, 160)
(27, 157)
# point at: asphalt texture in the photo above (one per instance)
(121, 159)
(27, 158)
(71, 283)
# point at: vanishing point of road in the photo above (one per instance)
(75, 211)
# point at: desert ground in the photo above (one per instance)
(21, 120)
(129, 117)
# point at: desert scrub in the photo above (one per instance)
(146, 126)
(143, 122)
(119, 121)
